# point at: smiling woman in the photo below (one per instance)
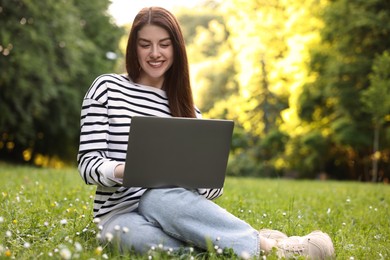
(158, 27)
(155, 55)
(157, 84)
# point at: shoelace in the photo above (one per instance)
(295, 247)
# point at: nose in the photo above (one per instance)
(155, 51)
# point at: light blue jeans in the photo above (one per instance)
(177, 218)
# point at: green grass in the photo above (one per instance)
(45, 213)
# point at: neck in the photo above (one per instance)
(149, 81)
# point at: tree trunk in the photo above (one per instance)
(375, 153)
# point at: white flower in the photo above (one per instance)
(1, 219)
(125, 229)
(117, 228)
(96, 220)
(78, 247)
(219, 251)
(65, 253)
(99, 250)
(8, 233)
(328, 211)
(105, 256)
(245, 255)
(63, 222)
(26, 245)
(109, 236)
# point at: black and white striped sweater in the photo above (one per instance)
(106, 113)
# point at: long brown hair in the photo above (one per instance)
(177, 79)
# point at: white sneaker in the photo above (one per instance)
(272, 234)
(316, 245)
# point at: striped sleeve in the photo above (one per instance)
(94, 166)
(211, 193)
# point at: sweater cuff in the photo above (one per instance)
(107, 170)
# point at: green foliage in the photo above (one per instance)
(376, 101)
(212, 63)
(298, 70)
(48, 214)
(353, 34)
(49, 54)
(262, 52)
(376, 98)
(306, 153)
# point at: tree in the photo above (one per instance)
(50, 53)
(354, 33)
(376, 100)
(269, 40)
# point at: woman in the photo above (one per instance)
(158, 84)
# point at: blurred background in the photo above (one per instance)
(307, 82)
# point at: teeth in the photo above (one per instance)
(157, 63)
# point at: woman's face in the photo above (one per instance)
(155, 55)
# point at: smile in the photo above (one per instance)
(155, 64)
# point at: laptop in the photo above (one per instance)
(177, 152)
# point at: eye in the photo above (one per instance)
(165, 44)
(144, 46)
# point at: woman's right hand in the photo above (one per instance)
(119, 171)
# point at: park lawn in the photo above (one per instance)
(46, 214)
